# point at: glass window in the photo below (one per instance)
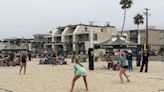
(101, 30)
(94, 36)
(86, 29)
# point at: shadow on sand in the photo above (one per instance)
(80, 90)
(6, 90)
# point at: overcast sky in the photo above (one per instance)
(23, 18)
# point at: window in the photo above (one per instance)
(49, 39)
(124, 37)
(101, 30)
(39, 37)
(141, 31)
(84, 37)
(86, 29)
(94, 36)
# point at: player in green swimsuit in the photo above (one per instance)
(79, 71)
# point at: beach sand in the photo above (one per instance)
(45, 78)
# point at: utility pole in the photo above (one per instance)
(91, 22)
(91, 50)
(147, 33)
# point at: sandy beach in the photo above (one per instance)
(45, 78)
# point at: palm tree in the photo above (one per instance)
(138, 19)
(125, 4)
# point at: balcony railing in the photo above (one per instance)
(83, 39)
(58, 42)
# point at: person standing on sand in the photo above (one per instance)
(79, 71)
(29, 56)
(138, 59)
(124, 66)
(145, 61)
(23, 63)
(129, 57)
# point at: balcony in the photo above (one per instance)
(83, 37)
(69, 41)
(58, 41)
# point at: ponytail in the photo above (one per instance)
(77, 61)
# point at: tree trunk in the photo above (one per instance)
(138, 34)
(123, 21)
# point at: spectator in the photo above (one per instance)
(145, 61)
(129, 58)
(138, 59)
(23, 63)
(110, 61)
(29, 56)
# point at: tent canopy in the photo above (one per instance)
(117, 42)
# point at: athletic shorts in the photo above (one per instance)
(126, 67)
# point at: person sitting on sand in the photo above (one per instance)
(44, 60)
(54, 60)
(60, 59)
(109, 61)
(124, 66)
(63, 61)
(79, 71)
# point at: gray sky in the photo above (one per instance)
(26, 17)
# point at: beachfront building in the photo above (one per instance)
(1, 47)
(21, 42)
(41, 42)
(77, 37)
(10, 45)
(155, 37)
(48, 42)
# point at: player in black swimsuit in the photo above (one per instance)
(23, 63)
